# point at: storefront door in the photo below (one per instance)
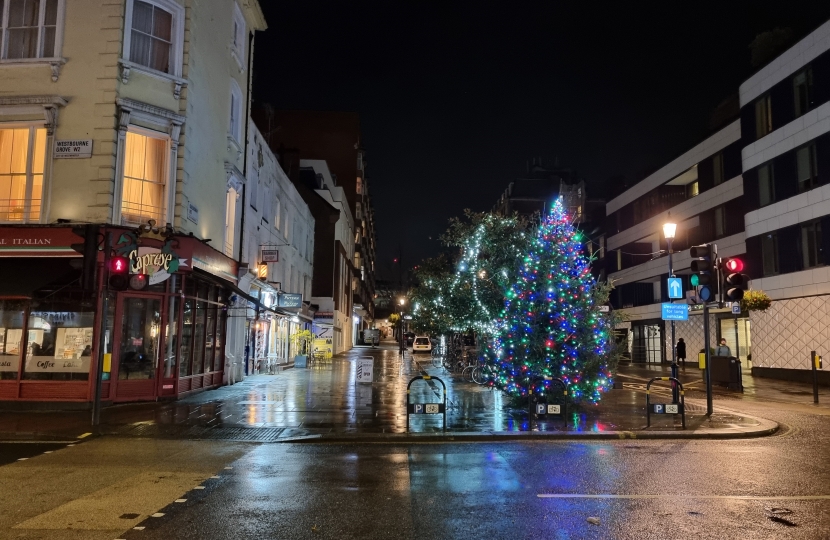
(137, 347)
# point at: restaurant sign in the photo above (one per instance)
(156, 263)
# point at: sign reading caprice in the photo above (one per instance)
(140, 264)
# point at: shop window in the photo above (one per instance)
(155, 30)
(199, 339)
(171, 333)
(763, 116)
(717, 164)
(802, 91)
(805, 159)
(29, 28)
(22, 160)
(210, 336)
(140, 338)
(11, 337)
(145, 178)
(59, 341)
(811, 251)
(219, 341)
(186, 343)
(769, 253)
(766, 184)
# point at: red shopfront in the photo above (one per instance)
(163, 341)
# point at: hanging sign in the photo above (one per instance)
(270, 255)
(287, 300)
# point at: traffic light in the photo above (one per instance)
(119, 273)
(89, 249)
(734, 282)
(703, 266)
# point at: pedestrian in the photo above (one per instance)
(723, 349)
(681, 351)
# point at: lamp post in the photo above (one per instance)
(669, 230)
(401, 348)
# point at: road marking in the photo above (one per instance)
(84, 435)
(652, 496)
(139, 528)
(199, 487)
(157, 515)
(180, 500)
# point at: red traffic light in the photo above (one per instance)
(119, 265)
(734, 265)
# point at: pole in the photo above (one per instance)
(815, 375)
(708, 359)
(674, 389)
(738, 354)
(102, 340)
(400, 335)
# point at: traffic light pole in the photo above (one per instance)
(708, 372)
(99, 372)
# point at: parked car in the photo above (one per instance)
(421, 344)
(409, 337)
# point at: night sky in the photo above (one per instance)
(455, 98)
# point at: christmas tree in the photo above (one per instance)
(551, 325)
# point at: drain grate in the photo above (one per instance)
(179, 431)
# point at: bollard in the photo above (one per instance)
(815, 364)
(426, 408)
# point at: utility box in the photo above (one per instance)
(726, 371)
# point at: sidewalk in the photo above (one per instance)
(324, 402)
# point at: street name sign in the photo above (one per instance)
(675, 312)
(675, 287)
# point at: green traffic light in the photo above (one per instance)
(695, 279)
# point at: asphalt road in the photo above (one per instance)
(775, 487)
(20, 451)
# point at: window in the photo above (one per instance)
(253, 199)
(155, 31)
(802, 91)
(145, 178)
(238, 38)
(805, 159)
(619, 259)
(717, 163)
(22, 159)
(720, 221)
(763, 117)
(277, 211)
(230, 221)
(285, 226)
(359, 186)
(29, 28)
(766, 184)
(811, 251)
(769, 253)
(235, 124)
(692, 190)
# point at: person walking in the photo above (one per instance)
(681, 352)
(723, 349)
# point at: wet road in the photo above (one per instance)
(19, 451)
(775, 487)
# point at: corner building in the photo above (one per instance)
(123, 118)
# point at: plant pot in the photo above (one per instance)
(301, 360)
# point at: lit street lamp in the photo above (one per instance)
(401, 301)
(669, 230)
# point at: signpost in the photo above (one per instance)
(675, 288)
(675, 312)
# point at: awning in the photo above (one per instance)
(216, 280)
(24, 276)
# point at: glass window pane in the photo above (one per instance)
(210, 334)
(48, 42)
(140, 337)
(162, 24)
(145, 161)
(187, 334)
(159, 56)
(802, 158)
(171, 334)
(23, 13)
(51, 14)
(59, 341)
(11, 337)
(766, 185)
(219, 342)
(140, 48)
(142, 17)
(199, 339)
(39, 158)
(21, 43)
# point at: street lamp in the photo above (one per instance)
(669, 230)
(401, 301)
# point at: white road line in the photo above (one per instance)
(652, 496)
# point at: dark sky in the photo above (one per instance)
(455, 97)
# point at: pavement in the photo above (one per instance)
(325, 403)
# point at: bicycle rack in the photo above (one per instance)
(665, 408)
(534, 407)
(426, 408)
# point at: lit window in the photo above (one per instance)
(29, 28)
(277, 211)
(22, 159)
(763, 117)
(230, 221)
(145, 179)
(155, 34)
(692, 190)
(359, 186)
